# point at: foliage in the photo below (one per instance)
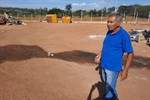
(57, 11)
(111, 9)
(68, 10)
(23, 11)
(131, 10)
(77, 13)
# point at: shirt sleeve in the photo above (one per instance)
(127, 44)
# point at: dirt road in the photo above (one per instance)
(27, 73)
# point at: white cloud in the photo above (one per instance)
(75, 4)
(124, 4)
(94, 5)
(83, 4)
(105, 1)
(79, 4)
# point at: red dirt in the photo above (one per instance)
(27, 73)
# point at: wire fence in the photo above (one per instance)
(81, 18)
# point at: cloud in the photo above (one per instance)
(104, 1)
(94, 5)
(79, 4)
(124, 4)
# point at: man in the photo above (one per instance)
(116, 43)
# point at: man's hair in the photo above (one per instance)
(117, 15)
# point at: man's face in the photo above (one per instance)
(112, 23)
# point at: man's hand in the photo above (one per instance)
(97, 59)
(124, 75)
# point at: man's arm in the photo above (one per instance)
(124, 73)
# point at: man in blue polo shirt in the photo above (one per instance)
(116, 43)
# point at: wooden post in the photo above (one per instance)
(91, 17)
(81, 15)
(136, 18)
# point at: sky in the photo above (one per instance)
(76, 4)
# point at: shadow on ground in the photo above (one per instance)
(100, 87)
(139, 61)
(24, 52)
(76, 56)
(21, 52)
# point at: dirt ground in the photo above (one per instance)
(28, 73)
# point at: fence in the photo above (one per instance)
(81, 18)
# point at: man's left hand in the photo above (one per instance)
(124, 75)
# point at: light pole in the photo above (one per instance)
(148, 17)
(135, 12)
(101, 15)
(72, 17)
(81, 15)
(91, 16)
(136, 17)
(116, 7)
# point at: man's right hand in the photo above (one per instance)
(97, 59)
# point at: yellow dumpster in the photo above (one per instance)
(52, 18)
(66, 19)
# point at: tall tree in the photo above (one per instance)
(68, 9)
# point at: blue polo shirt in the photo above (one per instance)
(114, 46)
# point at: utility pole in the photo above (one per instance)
(91, 16)
(31, 17)
(136, 17)
(24, 17)
(149, 17)
(40, 15)
(81, 15)
(101, 15)
(116, 7)
(135, 12)
(124, 16)
(17, 16)
(72, 17)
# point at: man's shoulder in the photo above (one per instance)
(122, 29)
(124, 32)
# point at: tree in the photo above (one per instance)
(126, 9)
(104, 11)
(68, 9)
(57, 11)
(93, 12)
(131, 10)
(77, 13)
(111, 9)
